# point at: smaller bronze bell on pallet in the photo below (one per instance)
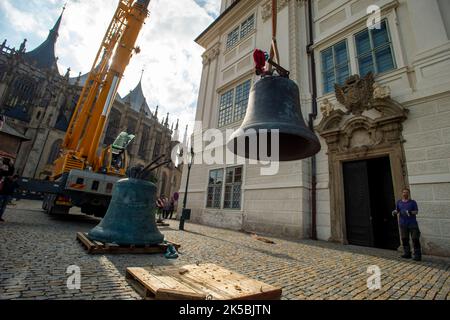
(130, 219)
(274, 104)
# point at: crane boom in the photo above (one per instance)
(80, 146)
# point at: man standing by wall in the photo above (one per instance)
(407, 210)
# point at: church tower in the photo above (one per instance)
(43, 57)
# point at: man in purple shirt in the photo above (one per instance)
(407, 211)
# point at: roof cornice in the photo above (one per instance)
(221, 17)
(240, 7)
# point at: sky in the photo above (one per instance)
(170, 57)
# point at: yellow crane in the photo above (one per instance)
(81, 143)
(83, 175)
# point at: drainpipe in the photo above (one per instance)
(312, 117)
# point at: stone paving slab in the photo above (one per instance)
(36, 251)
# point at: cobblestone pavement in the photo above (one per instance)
(36, 250)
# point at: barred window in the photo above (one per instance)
(158, 146)
(233, 186)
(241, 31)
(335, 66)
(143, 151)
(22, 93)
(131, 128)
(374, 50)
(55, 151)
(233, 38)
(3, 70)
(163, 185)
(74, 103)
(214, 189)
(113, 129)
(242, 95)
(226, 108)
(233, 104)
(247, 26)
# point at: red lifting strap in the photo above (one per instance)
(259, 57)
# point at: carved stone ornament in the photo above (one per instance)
(356, 94)
(326, 107)
(381, 92)
(205, 59)
(356, 133)
(267, 8)
(211, 54)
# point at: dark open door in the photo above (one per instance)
(385, 226)
(369, 201)
(357, 203)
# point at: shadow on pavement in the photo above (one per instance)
(76, 218)
(267, 252)
(440, 263)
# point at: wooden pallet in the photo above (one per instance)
(162, 224)
(198, 282)
(96, 247)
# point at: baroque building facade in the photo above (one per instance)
(38, 103)
(374, 81)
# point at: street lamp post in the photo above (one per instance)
(185, 211)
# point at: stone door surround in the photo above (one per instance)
(371, 128)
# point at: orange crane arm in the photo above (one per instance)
(91, 113)
(120, 61)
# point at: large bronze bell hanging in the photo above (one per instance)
(274, 103)
(130, 219)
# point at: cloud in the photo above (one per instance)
(20, 20)
(171, 58)
(211, 7)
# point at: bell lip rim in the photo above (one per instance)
(313, 145)
(135, 180)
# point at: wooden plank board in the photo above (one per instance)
(232, 284)
(180, 275)
(168, 294)
(158, 282)
(98, 244)
(85, 241)
(241, 285)
(223, 282)
(97, 247)
(161, 288)
(193, 282)
(143, 282)
(205, 278)
(163, 225)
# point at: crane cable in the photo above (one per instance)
(274, 53)
(265, 62)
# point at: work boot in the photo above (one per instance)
(406, 256)
(417, 256)
(407, 252)
(417, 248)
